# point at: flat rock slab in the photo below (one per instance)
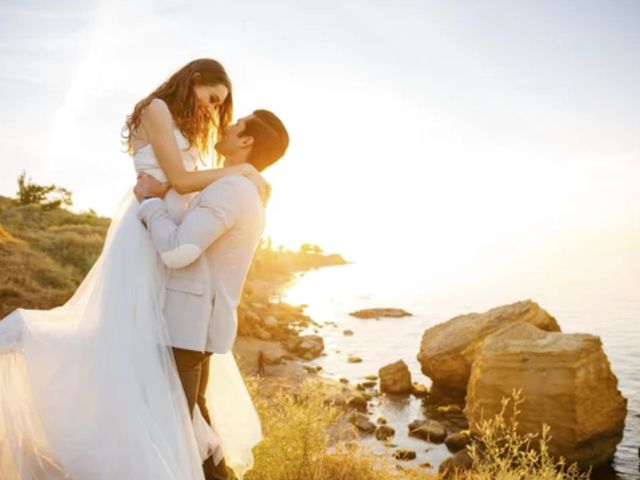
(428, 430)
(381, 312)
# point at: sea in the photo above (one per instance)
(588, 293)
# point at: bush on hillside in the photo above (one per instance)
(47, 196)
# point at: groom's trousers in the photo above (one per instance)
(193, 369)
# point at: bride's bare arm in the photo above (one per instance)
(157, 123)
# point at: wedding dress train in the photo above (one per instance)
(89, 390)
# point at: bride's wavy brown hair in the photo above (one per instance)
(196, 124)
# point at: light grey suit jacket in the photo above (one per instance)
(209, 255)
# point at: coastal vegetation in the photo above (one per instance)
(298, 446)
(297, 441)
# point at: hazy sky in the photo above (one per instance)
(446, 127)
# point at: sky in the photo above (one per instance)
(449, 131)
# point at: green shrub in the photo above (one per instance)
(49, 197)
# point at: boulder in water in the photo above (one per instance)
(448, 349)
(428, 430)
(395, 378)
(566, 382)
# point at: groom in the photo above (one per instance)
(209, 254)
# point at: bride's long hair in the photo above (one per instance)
(197, 125)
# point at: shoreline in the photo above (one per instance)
(279, 369)
(293, 369)
(284, 369)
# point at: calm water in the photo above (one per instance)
(598, 295)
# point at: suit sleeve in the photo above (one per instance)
(180, 245)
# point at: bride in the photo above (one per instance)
(89, 390)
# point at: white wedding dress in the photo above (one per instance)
(89, 390)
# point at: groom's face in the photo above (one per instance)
(232, 141)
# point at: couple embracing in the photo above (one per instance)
(133, 378)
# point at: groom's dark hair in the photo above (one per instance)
(270, 138)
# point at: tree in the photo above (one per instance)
(47, 196)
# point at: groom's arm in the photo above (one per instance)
(180, 245)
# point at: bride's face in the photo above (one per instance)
(210, 97)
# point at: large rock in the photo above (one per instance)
(359, 402)
(455, 466)
(395, 378)
(429, 430)
(566, 382)
(361, 422)
(384, 432)
(457, 441)
(306, 346)
(447, 350)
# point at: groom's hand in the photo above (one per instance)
(249, 171)
(148, 187)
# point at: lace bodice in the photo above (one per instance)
(144, 159)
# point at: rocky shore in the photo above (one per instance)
(271, 350)
(473, 361)
(269, 346)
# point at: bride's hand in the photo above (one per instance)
(244, 169)
(249, 171)
(263, 187)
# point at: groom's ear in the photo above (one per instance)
(246, 142)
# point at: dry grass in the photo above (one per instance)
(297, 446)
(44, 254)
(297, 442)
(506, 454)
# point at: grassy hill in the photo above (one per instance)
(44, 253)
